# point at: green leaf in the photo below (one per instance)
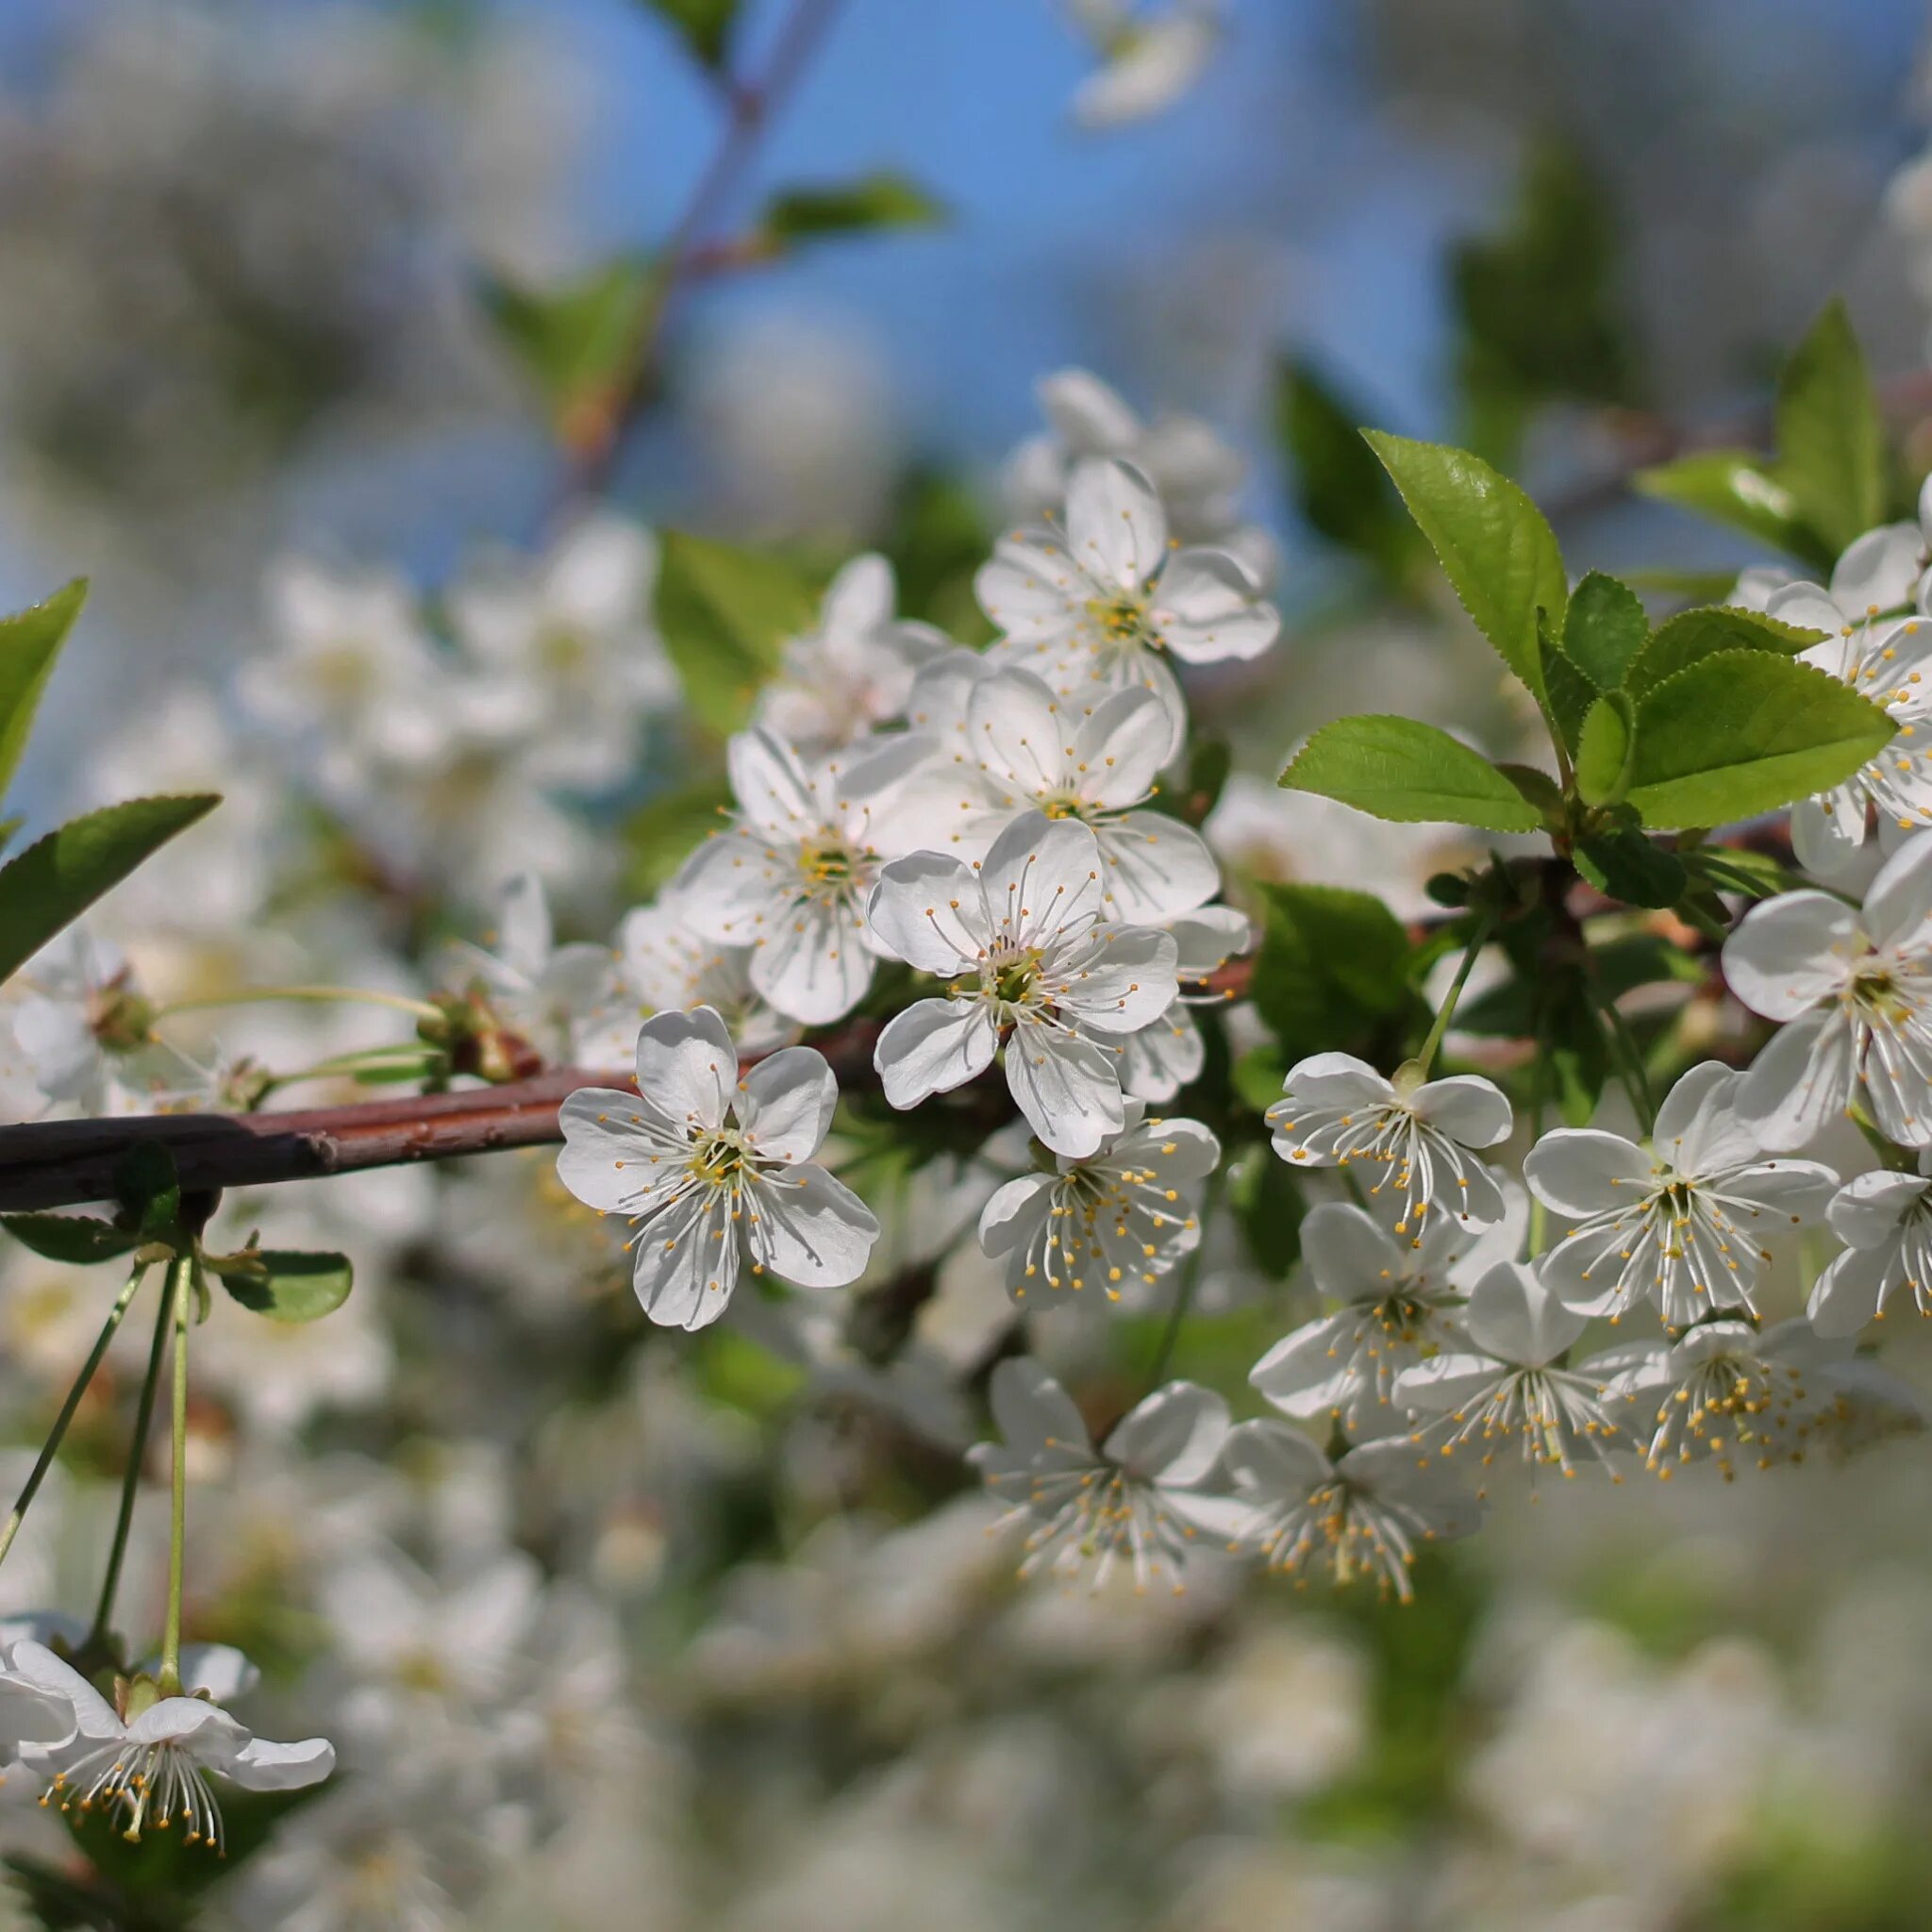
(148, 1189)
(29, 643)
(1830, 440)
(1603, 750)
(1332, 970)
(1681, 641)
(1339, 488)
(1401, 769)
(1210, 760)
(725, 614)
(882, 199)
(1492, 539)
(1568, 692)
(1735, 487)
(704, 26)
(1605, 629)
(1578, 1054)
(574, 339)
(664, 831)
(1258, 1076)
(76, 1238)
(1744, 732)
(56, 878)
(1625, 865)
(285, 1284)
(1268, 1208)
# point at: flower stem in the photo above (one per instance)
(1636, 1075)
(180, 1282)
(1184, 1288)
(58, 1431)
(130, 1482)
(1446, 1012)
(420, 1009)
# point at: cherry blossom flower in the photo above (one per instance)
(791, 878)
(854, 671)
(1036, 971)
(1885, 1221)
(1681, 1224)
(1884, 656)
(1088, 1510)
(147, 1758)
(1124, 1213)
(544, 992)
(1367, 1515)
(1160, 1059)
(1398, 1299)
(1105, 603)
(1854, 989)
(1338, 1110)
(1501, 1379)
(716, 1170)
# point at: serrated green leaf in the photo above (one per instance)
(1744, 732)
(705, 27)
(882, 199)
(1268, 1208)
(1830, 440)
(1332, 970)
(1605, 629)
(29, 643)
(1568, 694)
(1340, 487)
(1492, 541)
(57, 877)
(1625, 865)
(1735, 487)
(75, 1239)
(1403, 769)
(1603, 750)
(725, 614)
(572, 339)
(285, 1284)
(1681, 641)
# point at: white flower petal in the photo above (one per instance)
(1175, 1435)
(1790, 952)
(1513, 1316)
(1068, 1088)
(932, 1047)
(1582, 1171)
(1207, 607)
(1115, 525)
(685, 1264)
(687, 1067)
(809, 1229)
(784, 1104)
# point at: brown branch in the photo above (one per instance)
(63, 1163)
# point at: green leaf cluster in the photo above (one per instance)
(725, 613)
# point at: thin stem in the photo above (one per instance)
(55, 1436)
(418, 1009)
(1637, 1077)
(1478, 941)
(180, 1282)
(130, 1481)
(1184, 1288)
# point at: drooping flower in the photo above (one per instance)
(1682, 1224)
(1018, 747)
(1122, 1214)
(147, 1758)
(1336, 1111)
(1504, 1381)
(1367, 1515)
(716, 1170)
(1854, 989)
(854, 671)
(1398, 1298)
(792, 876)
(1160, 1059)
(1104, 604)
(1885, 1221)
(1036, 969)
(1885, 657)
(1089, 1510)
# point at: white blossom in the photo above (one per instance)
(1160, 1059)
(1337, 1111)
(1036, 970)
(716, 1171)
(1681, 1224)
(1884, 656)
(147, 1759)
(1502, 1378)
(1367, 1515)
(546, 994)
(1885, 1221)
(1852, 990)
(1087, 1511)
(791, 877)
(1123, 1213)
(854, 671)
(1103, 605)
